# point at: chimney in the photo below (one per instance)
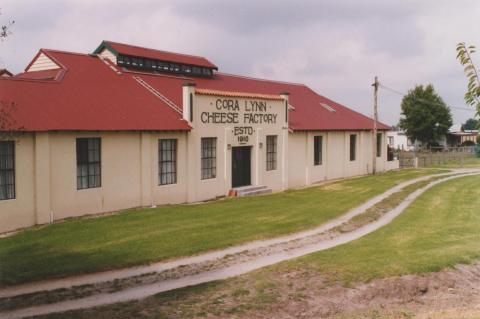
(188, 94)
(285, 96)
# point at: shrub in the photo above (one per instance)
(468, 143)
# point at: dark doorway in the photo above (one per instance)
(241, 166)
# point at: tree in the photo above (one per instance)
(7, 123)
(5, 29)
(464, 55)
(471, 124)
(425, 117)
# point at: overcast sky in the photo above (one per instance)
(335, 47)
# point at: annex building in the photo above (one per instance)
(128, 126)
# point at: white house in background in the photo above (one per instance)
(398, 140)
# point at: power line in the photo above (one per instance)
(423, 100)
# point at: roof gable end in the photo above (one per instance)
(42, 61)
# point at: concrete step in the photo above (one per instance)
(256, 192)
(252, 190)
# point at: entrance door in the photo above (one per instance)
(241, 166)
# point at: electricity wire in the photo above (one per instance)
(423, 100)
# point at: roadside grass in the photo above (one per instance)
(470, 162)
(440, 229)
(141, 236)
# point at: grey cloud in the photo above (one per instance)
(336, 47)
(253, 16)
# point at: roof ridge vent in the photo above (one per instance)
(328, 107)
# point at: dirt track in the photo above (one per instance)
(450, 293)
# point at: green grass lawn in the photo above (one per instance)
(141, 236)
(440, 229)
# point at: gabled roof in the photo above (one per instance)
(85, 95)
(5, 72)
(132, 50)
(308, 113)
(88, 93)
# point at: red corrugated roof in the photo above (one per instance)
(41, 75)
(87, 94)
(90, 96)
(308, 113)
(133, 50)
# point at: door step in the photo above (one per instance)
(250, 191)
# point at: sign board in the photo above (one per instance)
(243, 114)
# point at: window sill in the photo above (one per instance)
(166, 185)
(84, 189)
(208, 179)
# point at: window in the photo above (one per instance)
(88, 163)
(167, 161)
(209, 157)
(353, 147)
(390, 141)
(162, 66)
(206, 72)
(196, 70)
(186, 69)
(379, 144)
(317, 150)
(271, 152)
(7, 170)
(174, 67)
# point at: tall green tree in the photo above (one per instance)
(425, 117)
(464, 55)
(471, 124)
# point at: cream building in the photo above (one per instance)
(134, 127)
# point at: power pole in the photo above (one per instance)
(375, 119)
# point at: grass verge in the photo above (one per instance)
(53, 296)
(146, 235)
(469, 162)
(440, 229)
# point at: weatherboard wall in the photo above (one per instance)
(45, 174)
